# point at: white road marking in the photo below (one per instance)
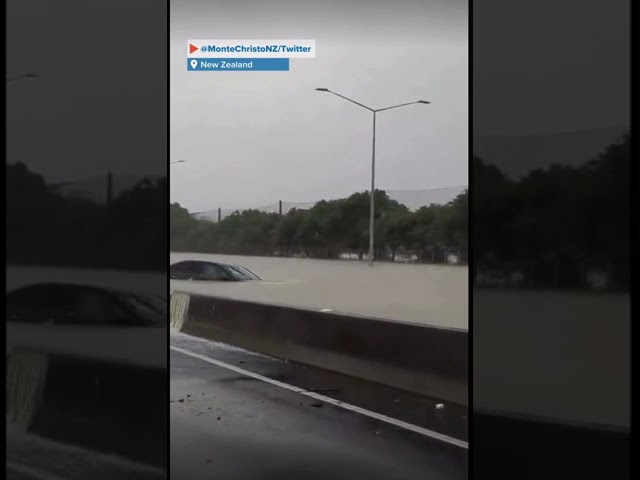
(32, 472)
(316, 396)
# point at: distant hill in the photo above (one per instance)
(518, 155)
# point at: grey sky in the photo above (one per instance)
(254, 138)
(96, 106)
(556, 65)
(549, 66)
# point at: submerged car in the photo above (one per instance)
(73, 304)
(210, 271)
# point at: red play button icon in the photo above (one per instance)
(192, 48)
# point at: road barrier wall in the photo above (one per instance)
(427, 360)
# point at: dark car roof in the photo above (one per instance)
(210, 262)
(81, 286)
(143, 306)
(121, 293)
(239, 269)
(60, 285)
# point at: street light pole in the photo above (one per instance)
(372, 204)
(373, 162)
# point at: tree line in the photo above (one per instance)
(332, 228)
(550, 228)
(555, 227)
(45, 228)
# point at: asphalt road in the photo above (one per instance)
(226, 424)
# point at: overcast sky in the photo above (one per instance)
(253, 138)
(100, 102)
(550, 66)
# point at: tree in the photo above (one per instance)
(556, 224)
(46, 228)
(330, 229)
(288, 232)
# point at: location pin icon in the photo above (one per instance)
(194, 63)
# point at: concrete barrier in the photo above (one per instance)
(25, 379)
(427, 360)
(178, 308)
(92, 388)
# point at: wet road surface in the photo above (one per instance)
(228, 425)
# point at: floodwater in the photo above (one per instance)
(543, 353)
(557, 355)
(425, 294)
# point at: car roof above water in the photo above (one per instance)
(207, 262)
(82, 286)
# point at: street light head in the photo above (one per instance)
(424, 101)
(322, 89)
